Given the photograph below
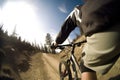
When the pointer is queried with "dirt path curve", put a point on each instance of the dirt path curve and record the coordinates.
(43, 67)
(51, 66)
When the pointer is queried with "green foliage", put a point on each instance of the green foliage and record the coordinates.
(15, 52)
(15, 42)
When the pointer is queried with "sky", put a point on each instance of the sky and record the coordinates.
(33, 19)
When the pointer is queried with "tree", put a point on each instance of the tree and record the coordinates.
(14, 32)
(48, 39)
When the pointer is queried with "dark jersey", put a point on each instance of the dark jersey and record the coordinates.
(94, 16)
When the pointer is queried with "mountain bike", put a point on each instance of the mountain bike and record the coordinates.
(68, 68)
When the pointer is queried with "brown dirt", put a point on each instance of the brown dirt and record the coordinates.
(51, 67)
(43, 67)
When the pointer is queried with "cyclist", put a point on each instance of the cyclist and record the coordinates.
(100, 24)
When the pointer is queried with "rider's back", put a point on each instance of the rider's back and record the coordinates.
(99, 15)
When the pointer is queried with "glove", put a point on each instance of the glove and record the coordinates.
(54, 45)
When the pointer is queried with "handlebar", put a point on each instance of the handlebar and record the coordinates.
(70, 45)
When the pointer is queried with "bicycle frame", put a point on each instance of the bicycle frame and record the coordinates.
(72, 59)
(74, 65)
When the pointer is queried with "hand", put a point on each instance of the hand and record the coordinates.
(54, 45)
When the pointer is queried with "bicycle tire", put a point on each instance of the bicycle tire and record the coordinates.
(66, 72)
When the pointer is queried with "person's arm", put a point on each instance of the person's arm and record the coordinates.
(70, 24)
(66, 29)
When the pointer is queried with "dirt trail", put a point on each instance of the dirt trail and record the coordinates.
(43, 67)
(51, 66)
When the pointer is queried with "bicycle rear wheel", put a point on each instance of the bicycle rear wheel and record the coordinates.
(64, 70)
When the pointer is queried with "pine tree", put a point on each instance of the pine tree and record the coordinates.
(48, 39)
